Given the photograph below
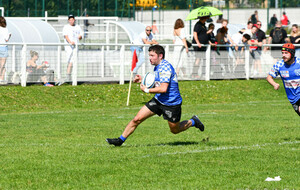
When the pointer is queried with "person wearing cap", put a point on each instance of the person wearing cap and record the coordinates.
(289, 70)
(200, 37)
(72, 34)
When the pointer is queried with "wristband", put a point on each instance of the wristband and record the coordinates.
(146, 90)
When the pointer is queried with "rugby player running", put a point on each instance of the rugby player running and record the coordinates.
(289, 70)
(167, 100)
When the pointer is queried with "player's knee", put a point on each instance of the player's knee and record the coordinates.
(174, 130)
(137, 120)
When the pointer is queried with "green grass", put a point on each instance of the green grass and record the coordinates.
(54, 138)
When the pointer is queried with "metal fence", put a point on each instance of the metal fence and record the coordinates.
(112, 63)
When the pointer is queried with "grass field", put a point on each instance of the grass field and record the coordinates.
(54, 138)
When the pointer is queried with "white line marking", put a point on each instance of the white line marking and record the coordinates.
(255, 146)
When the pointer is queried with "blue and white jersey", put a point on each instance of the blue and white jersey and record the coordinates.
(165, 73)
(290, 75)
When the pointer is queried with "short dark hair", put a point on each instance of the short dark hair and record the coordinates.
(210, 25)
(158, 50)
(247, 36)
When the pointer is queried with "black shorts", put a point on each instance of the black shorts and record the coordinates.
(296, 107)
(170, 113)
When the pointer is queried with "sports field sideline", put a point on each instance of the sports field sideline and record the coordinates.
(54, 138)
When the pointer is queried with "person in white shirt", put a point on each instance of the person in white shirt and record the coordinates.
(4, 37)
(180, 52)
(72, 34)
(144, 38)
(249, 28)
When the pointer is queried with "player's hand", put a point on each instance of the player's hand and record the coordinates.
(276, 86)
(137, 79)
(143, 87)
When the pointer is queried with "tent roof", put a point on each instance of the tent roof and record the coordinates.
(132, 28)
(31, 31)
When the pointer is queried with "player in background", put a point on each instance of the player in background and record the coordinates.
(289, 70)
(167, 100)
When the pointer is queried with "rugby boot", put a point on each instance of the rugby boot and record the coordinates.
(198, 123)
(115, 141)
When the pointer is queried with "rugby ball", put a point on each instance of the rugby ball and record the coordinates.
(149, 80)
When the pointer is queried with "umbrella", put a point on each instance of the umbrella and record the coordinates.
(202, 12)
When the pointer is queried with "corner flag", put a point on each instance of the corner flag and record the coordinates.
(134, 60)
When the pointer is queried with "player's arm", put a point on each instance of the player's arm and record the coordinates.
(68, 40)
(272, 82)
(160, 89)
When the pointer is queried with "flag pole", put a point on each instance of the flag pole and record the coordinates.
(129, 88)
(134, 61)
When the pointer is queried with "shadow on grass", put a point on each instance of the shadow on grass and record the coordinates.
(178, 143)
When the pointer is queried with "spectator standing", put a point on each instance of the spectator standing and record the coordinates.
(284, 20)
(220, 19)
(295, 38)
(144, 38)
(228, 40)
(254, 17)
(4, 37)
(261, 36)
(212, 42)
(199, 37)
(222, 51)
(180, 52)
(86, 26)
(273, 21)
(255, 50)
(277, 36)
(224, 25)
(72, 34)
(210, 33)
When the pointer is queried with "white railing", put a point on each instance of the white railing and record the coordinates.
(97, 62)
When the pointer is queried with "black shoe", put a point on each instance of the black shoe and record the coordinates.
(115, 141)
(198, 123)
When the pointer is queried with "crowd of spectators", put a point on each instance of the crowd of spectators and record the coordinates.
(253, 37)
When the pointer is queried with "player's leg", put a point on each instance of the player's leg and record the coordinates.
(2, 67)
(179, 126)
(173, 115)
(296, 107)
(184, 125)
(141, 116)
